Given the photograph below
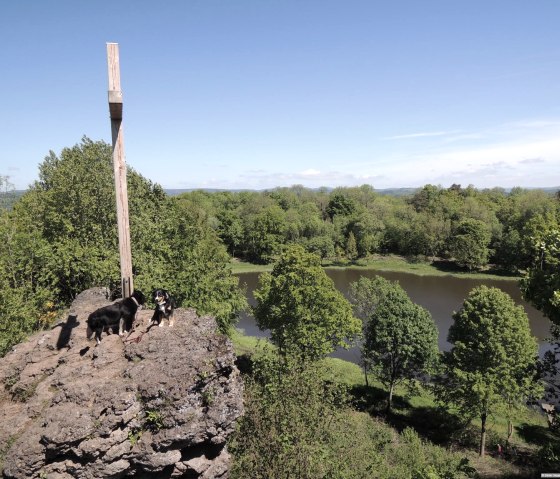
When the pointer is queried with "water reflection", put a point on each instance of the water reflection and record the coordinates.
(441, 295)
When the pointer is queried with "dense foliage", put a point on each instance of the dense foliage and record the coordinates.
(298, 425)
(60, 238)
(491, 365)
(474, 228)
(400, 337)
(541, 285)
(306, 315)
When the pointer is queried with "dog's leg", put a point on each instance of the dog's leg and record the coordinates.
(171, 319)
(122, 332)
(98, 336)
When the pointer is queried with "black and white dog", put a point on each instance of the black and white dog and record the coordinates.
(165, 306)
(121, 313)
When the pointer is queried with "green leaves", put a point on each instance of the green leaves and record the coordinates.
(61, 238)
(400, 337)
(492, 362)
(469, 244)
(300, 305)
(541, 285)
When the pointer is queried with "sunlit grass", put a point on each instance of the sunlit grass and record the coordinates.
(238, 266)
(392, 263)
(406, 405)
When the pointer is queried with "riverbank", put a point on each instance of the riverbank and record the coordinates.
(389, 263)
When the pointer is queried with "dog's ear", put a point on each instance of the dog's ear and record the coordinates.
(166, 294)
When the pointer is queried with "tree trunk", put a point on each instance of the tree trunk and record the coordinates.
(390, 400)
(510, 433)
(483, 434)
(365, 374)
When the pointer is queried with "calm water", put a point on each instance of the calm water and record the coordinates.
(441, 295)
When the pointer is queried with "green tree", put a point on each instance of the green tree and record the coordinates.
(264, 233)
(469, 244)
(400, 337)
(369, 231)
(298, 425)
(299, 304)
(340, 205)
(230, 230)
(321, 245)
(201, 275)
(351, 248)
(290, 416)
(61, 238)
(541, 285)
(491, 365)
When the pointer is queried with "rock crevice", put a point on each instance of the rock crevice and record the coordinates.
(160, 404)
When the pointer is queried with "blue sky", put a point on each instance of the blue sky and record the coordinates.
(265, 93)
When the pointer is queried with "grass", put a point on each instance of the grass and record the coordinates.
(238, 266)
(392, 263)
(420, 411)
(245, 344)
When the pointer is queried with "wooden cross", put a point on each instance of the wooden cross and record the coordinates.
(119, 166)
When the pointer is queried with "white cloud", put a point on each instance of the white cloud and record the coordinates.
(311, 178)
(530, 161)
(310, 172)
(420, 135)
(504, 164)
(514, 154)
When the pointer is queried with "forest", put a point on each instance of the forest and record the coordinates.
(59, 238)
(475, 229)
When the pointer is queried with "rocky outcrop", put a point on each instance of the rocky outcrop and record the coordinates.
(160, 404)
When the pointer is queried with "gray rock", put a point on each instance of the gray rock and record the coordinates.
(160, 403)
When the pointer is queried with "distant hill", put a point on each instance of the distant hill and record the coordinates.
(382, 191)
(176, 191)
(7, 199)
(386, 191)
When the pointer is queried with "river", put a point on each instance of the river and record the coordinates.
(440, 295)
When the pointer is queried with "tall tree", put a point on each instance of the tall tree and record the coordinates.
(400, 337)
(492, 362)
(340, 205)
(61, 238)
(469, 244)
(541, 287)
(351, 247)
(307, 316)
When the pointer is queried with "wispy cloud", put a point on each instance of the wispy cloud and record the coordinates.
(309, 177)
(515, 163)
(531, 161)
(465, 137)
(538, 123)
(523, 153)
(423, 134)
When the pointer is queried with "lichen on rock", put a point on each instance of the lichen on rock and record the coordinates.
(160, 404)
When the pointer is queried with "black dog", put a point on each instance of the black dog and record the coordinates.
(122, 313)
(165, 306)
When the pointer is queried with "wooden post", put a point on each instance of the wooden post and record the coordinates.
(119, 166)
